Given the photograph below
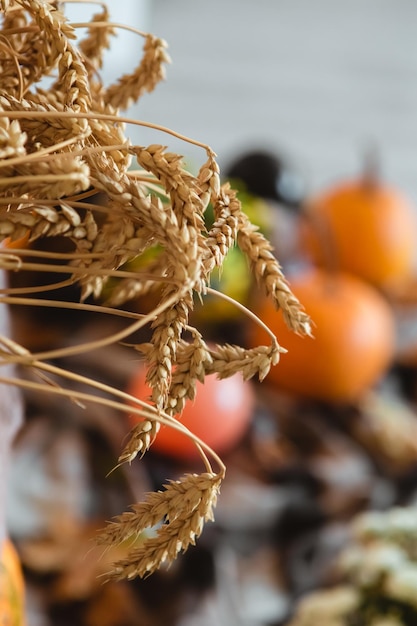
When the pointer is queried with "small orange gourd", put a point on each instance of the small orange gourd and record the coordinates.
(368, 227)
(353, 343)
(11, 587)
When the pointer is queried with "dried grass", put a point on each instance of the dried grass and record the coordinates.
(60, 147)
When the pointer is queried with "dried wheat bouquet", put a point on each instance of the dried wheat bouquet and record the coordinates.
(63, 146)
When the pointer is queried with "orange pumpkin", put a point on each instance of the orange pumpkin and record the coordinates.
(219, 415)
(11, 587)
(22, 242)
(353, 344)
(367, 227)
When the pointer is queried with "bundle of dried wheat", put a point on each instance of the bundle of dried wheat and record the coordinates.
(59, 149)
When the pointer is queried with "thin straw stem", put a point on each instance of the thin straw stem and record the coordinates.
(110, 339)
(107, 118)
(81, 396)
(247, 312)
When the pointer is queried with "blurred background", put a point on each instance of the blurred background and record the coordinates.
(317, 84)
(314, 81)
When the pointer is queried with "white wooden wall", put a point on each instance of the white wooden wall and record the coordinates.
(313, 79)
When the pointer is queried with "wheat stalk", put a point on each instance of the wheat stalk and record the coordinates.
(65, 172)
(181, 510)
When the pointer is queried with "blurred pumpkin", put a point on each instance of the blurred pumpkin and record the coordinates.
(219, 415)
(353, 343)
(367, 226)
(21, 242)
(11, 587)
